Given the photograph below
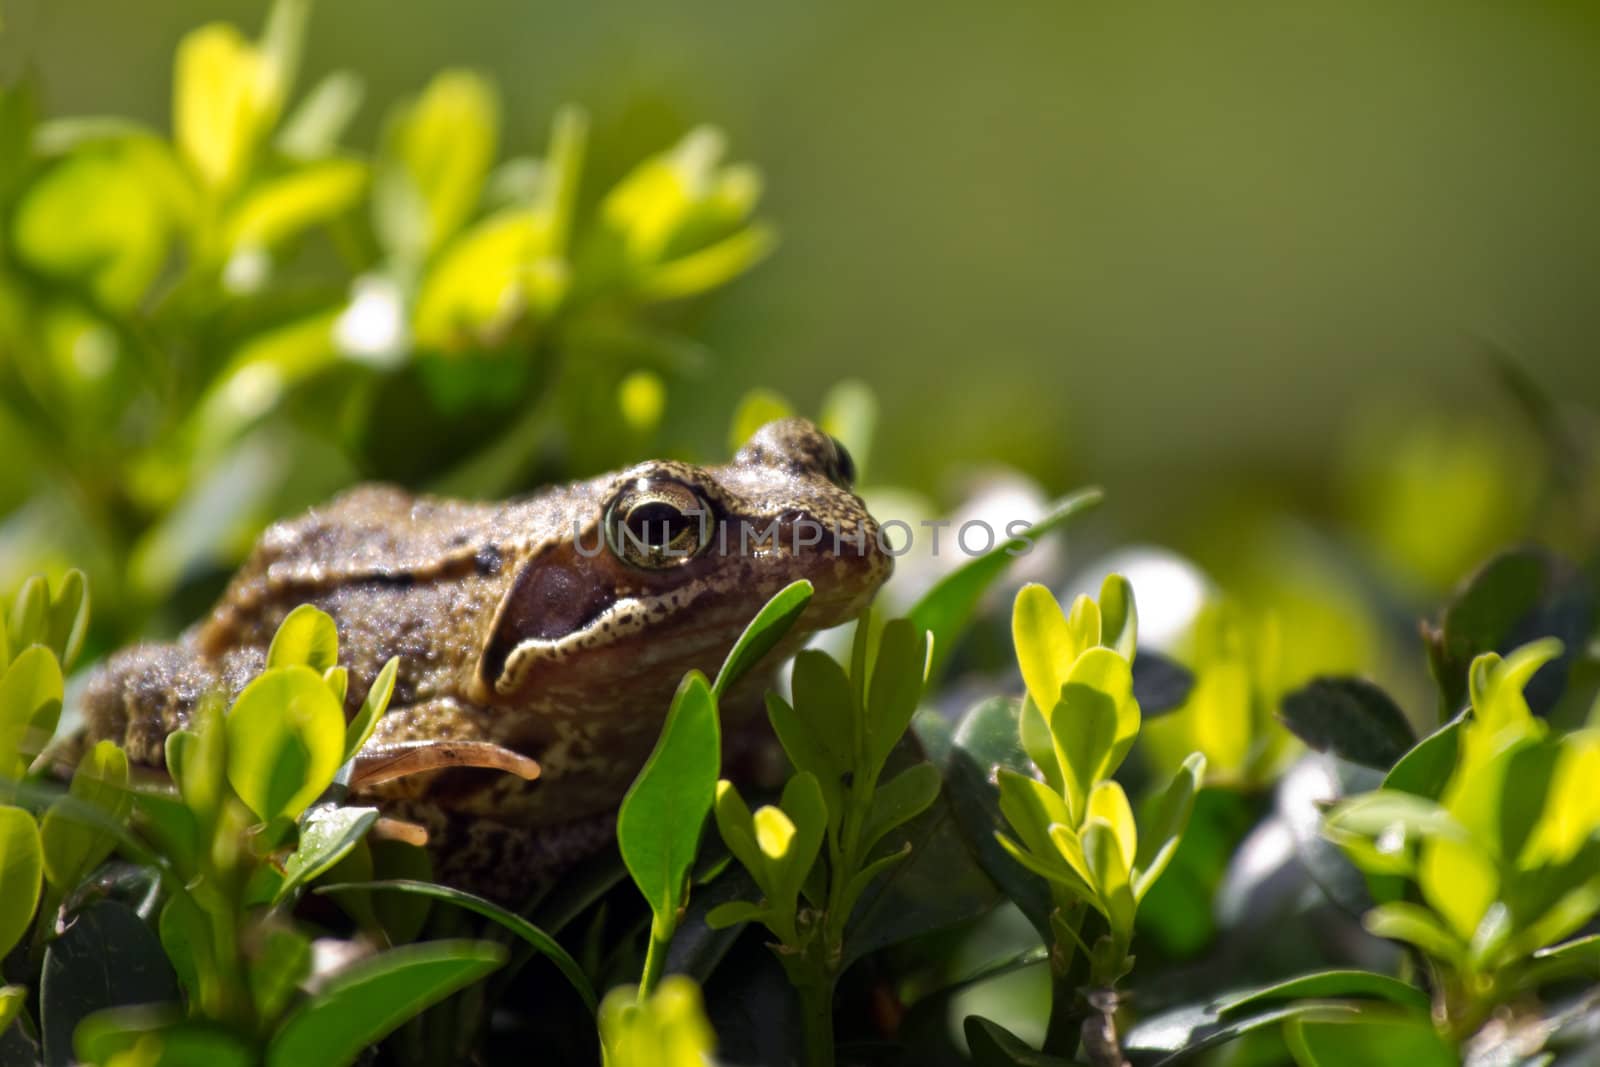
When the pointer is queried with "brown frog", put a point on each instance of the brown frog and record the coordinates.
(556, 626)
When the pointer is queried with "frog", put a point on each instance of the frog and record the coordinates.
(555, 627)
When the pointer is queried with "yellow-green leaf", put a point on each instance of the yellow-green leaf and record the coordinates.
(306, 637)
(21, 871)
(1045, 644)
(74, 845)
(1458, 881)
(285, 741)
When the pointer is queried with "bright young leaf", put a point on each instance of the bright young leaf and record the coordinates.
(307, 637)
(285, 737)
(372, 709)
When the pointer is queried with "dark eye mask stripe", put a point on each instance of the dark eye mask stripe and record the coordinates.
(547, 601)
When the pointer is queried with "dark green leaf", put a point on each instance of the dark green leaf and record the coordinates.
(1324, 985)
(945, 610)
(362, 1004)
(937, 886)
(106, 958)
(896, 687)
(899, 800)
(1160, 683)
(987, 739)
(535, 937)
(1351, 718)
(1516, 597)
(775, 619)
(658, 826)
(992, 1045)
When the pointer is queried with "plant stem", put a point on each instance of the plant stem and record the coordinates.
(662, 928)
(816, 1009)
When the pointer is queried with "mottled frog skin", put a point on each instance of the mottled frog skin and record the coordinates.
(557, 626)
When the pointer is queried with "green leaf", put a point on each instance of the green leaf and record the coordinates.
(898, 801)
(775, 619)
(825, 700)
(307, 637)
(809, 750)
(1373, 1035)
(1108, 870)
(72, 846)
(1412, 923)
(21, 873)
(1351, 718)
(365, 1002)
(658, 826)
(30, 706)
(285, 741)
(1183, 1033)
(327, 834)
(372, 708)
(281, 964)
(756, 408)
(1425, 770)
(1371, 814)
(896, 688)
(129, 1035)
(1119, 617)
(435, 156)
(1168, 817)
(1326, 985)
(946, 609)
(536, 938)
(29, 610)
(790, 854)
(186, 937)
(734, 912)
(1092, 722)
(68, 618)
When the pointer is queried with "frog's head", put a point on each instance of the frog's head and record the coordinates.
(668, 562)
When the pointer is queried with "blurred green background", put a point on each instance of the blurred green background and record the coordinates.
(1249, 266)
(1155, 244)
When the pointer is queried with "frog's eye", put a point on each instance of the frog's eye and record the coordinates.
(657, 523)
(844, 465)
